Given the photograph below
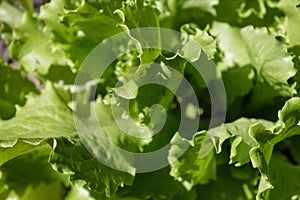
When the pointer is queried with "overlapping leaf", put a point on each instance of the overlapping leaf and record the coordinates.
(258, 49)
(190, 168)
(258, 72)
(255, 139)
(13, 90)
(43, 116)
(71, 158)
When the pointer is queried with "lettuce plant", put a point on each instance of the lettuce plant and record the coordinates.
(60, 122)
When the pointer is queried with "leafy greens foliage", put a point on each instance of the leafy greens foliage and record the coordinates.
(255, 45)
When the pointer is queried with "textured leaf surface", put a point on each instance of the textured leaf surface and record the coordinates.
(71, 158)
(190, 168)
(13, 90)
(43, 116)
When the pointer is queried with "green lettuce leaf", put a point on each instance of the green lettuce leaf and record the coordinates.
(29, 176)
(267, 56)
(46, 110)
(191, 52)
(6, 11)
(227, 187)
(242, 80)
(253, 139)
(158, 184)
(13, 90)
(240, 138)
(231, 43)
(189, 168)
(247, 8)
(207, 6)
(12, 149)
(33, 47)
(292, 15)
(72, 158)
(285, 179)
